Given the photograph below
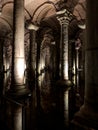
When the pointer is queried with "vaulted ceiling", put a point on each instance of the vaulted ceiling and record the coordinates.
(36, 10)
(39, 12)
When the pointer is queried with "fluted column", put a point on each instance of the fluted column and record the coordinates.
(88, 114)
(18, 62)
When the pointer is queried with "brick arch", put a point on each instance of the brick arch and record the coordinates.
(40, 9)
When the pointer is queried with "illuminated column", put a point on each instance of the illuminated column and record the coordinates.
(78, 69)
(18, 62)
(17, 117)
(64, 84)
(64, 18)
(88, 114)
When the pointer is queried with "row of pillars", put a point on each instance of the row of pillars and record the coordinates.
(88, 114)
(87, 117)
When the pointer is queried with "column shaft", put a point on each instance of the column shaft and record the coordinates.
(1, 67)
(91, 56)
(18, 62)
(64, 51)
(88, 114)
(17, 121)
(18, 58)
(64, 84)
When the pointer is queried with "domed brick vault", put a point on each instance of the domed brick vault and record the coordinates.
(42, 16)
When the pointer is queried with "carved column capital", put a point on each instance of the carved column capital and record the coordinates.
(64, 16)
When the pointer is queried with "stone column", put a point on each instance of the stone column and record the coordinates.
(88, 114)
(32, 56)
(31, 73)
(64, 84)
(1, 67)
(64, 18)
(18, 62)
(17, 121)
(32, 67)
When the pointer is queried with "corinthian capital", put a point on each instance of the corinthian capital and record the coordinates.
(64, 16)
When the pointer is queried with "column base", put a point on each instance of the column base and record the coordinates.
(64, 84)
(86, 118)
(23, 92)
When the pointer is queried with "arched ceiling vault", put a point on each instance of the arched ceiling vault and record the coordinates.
(37, 10)
(42, 13)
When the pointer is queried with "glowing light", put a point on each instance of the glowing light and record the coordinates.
(41, 67)
(66, 101)
(20, 68)
(66, 107)
(31, 26)
(74, 72)
(66, 70)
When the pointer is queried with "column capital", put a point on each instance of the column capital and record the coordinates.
(64, 16)
(31, 26)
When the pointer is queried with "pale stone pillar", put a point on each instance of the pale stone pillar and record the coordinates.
(17, 121)
(18, 62)
(88, 114)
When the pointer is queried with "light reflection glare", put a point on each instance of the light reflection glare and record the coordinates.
(20, 67)
(66, 70)
(41, 67)
(66, 107)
